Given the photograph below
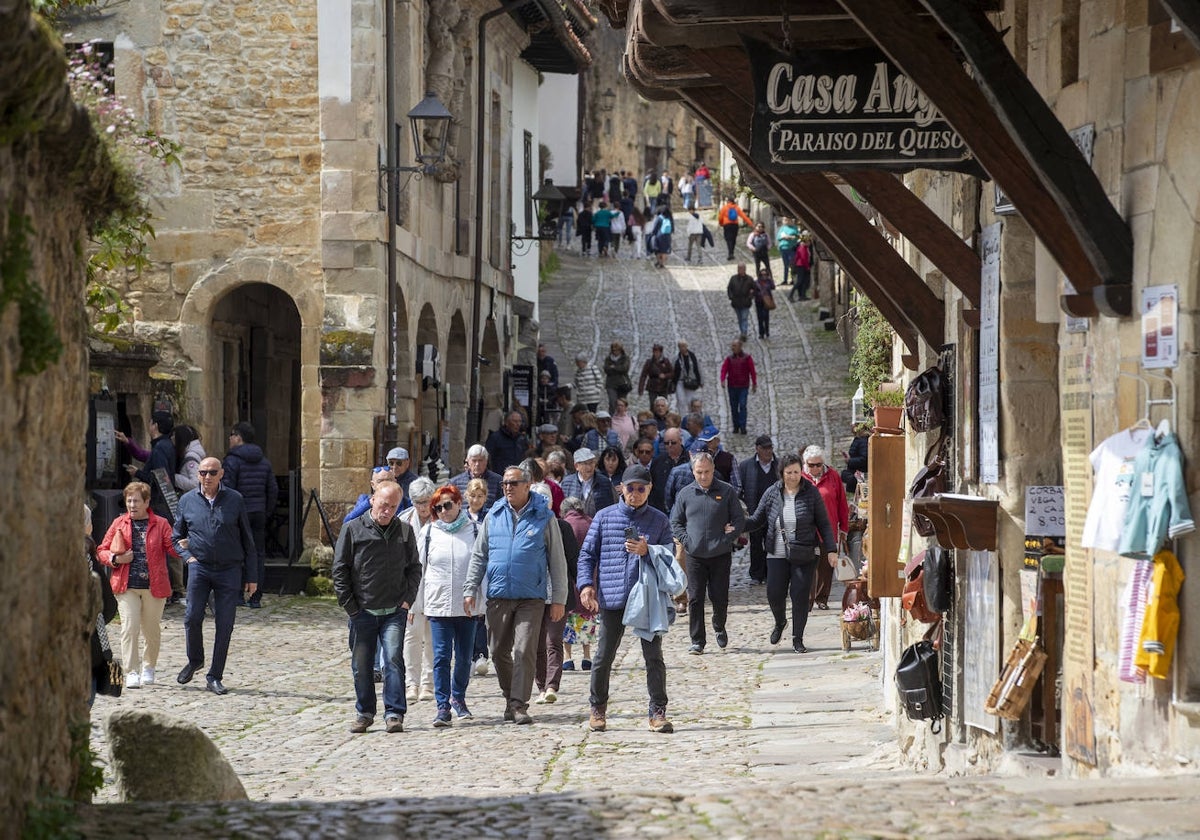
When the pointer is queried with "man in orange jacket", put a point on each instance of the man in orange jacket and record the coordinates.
(728, 216)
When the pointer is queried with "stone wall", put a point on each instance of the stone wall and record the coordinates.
(53, 172)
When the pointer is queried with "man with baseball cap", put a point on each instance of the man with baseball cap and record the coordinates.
(610, 563)
(591, 487)
(401, 467)
(757, 473)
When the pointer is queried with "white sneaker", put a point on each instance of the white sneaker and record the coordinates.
(133, 681)
(147, 675)
(549, 696)
(426, 694)
(541, 699)
(411, 695)
(481, 668)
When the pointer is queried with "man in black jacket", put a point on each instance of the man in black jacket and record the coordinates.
(671, 456)
(248, 471)
(706, 519)
(376, 572)
(757, 473)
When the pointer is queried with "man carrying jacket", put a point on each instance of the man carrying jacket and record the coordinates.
(608, 567)
(248, 471)
(520, 548)
(376, 572)
(706, 520)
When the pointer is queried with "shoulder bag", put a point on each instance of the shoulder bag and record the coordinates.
(928, 482)
(919, 681)
(798, 553)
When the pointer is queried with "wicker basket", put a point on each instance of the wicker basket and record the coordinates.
(861, 629)
(1011, 692)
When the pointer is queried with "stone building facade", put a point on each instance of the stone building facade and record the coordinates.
(1088, 109)
(296, 282)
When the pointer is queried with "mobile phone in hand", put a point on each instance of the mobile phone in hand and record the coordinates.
(631, 534)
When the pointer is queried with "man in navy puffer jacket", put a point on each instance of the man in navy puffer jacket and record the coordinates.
(608, 567)
(248, 471)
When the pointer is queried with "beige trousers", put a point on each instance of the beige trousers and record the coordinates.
(141, 615)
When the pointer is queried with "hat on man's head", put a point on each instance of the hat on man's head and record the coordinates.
(547, 429)
(583, 454)
(603, 415)
(163, 420)
(708, 434)
(578, 407)
(397, 454)
(637, 474)
(545, 374)
(764, 440)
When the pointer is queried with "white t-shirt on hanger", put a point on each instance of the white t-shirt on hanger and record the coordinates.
(1112, 463)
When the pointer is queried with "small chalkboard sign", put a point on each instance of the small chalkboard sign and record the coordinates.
(168, 490)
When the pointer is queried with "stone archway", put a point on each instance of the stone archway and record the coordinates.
(427, 414)
(457, 375)
(491, 380)
(205, 351)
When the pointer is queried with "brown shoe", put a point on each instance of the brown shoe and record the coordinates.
(598, 721)
(361, 724)
(658, 720)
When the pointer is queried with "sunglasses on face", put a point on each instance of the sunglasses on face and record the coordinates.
(511, 483)
(637, 488)
(444, 506)
(207, 472)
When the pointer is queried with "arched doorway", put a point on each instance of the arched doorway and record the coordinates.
(427, 414)
(491, 380)
(457, 374)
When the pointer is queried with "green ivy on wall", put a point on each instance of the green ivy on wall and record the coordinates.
(39, 341)
(871, 361)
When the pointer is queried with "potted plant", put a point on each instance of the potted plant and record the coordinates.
(888, 407)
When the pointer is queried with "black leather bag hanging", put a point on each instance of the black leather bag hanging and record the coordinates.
(925, 401)
(929, 481)
(919, 681)
(939, 578)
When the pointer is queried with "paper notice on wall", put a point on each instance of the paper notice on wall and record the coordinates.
(1160, 331)
(989, 356)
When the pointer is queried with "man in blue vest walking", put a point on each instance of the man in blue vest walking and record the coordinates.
(520, 548)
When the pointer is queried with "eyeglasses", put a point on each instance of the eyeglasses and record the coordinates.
(673, 442)
(815, 466)
(636, 488)
(207, 472)
(511, 483)
(444, 506)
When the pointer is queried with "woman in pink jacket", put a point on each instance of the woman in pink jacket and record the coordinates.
(136, 546)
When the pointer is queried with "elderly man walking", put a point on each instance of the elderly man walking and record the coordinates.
(757, 473)
(376, 572)
(589, 382)
(477, 467)
(619, 540)
(212, 534)
(706, 520)
(520, 548)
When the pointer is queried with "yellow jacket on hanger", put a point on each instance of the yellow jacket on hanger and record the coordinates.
(1160, 627)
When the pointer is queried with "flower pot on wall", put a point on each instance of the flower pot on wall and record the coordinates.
(889, 417)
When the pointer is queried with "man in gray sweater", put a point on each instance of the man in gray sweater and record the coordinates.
(706, 519)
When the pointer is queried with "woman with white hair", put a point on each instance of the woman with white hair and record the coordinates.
(833, 494)
(418, 641)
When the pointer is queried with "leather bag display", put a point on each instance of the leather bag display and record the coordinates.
(919, 682)
(939, 579)
(925, 401)
(928, 482)
(913, 597)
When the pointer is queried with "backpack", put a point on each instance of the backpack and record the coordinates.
(665, 226)
(920, 683)
(925, 401)
(732, 214)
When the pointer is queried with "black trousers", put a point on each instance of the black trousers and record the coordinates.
(758, 556)
(784, 579)
(731, 235)
(707, 575)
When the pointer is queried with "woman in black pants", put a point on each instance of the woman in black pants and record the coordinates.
(796, 522)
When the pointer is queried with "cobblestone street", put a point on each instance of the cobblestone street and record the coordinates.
(768, 743)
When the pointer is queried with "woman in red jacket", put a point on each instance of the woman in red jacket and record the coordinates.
(136, 546)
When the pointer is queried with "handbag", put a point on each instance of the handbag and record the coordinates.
(919, 682)
(116, 679)
(768, 300)
(938, 573)
(913, 596)
(925, 401)
(798, 553)
(846, 570)
(928, 482)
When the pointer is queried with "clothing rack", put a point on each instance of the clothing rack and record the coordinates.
(1145, 377)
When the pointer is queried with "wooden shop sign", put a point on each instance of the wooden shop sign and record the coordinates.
(825, 110)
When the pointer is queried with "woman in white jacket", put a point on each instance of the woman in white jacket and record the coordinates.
(445, 548)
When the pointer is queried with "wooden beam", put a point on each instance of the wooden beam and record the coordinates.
(1187, 15)
(922, 227)
(1065, 173)
(914, 47)
(903, 298)
(801, 12)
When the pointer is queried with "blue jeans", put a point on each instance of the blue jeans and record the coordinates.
(787, 257)
(451, 636)
(225, 585)
(743, 316)
(566, 231)
(367, 633)
(737, 406)
(611, 629)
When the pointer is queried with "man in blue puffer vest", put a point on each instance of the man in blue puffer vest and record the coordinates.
(608, 566)
(520, 548)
